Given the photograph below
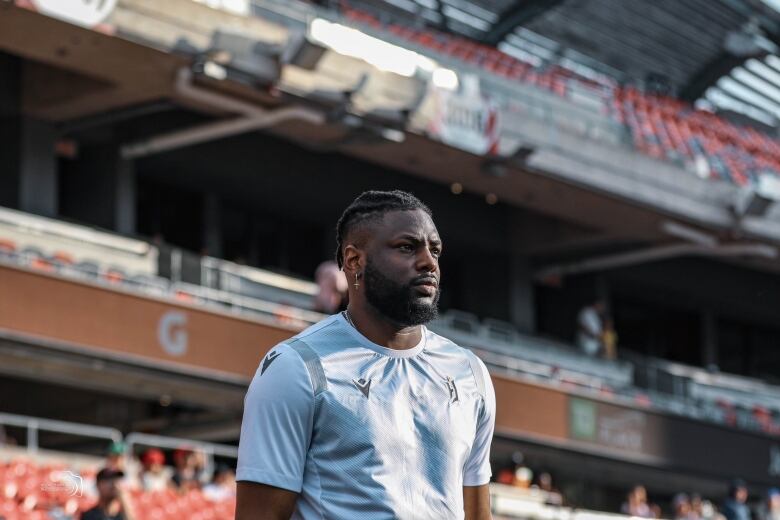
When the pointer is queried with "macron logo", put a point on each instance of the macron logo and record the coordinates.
(268, 360)
(362, 385)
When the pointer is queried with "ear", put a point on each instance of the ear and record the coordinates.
(353, 259)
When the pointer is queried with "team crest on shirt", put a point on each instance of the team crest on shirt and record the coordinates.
(268, 360)
(452, 389)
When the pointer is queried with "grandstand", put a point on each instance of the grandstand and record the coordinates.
(173, 172)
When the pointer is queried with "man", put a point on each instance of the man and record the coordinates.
(590, 328)
(115, 456)
(154, 476)
(770, 508)
(332, 288)
(735, 507)
(110, 505)
(681, 505)
(368, 414)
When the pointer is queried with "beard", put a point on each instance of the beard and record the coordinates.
(398, 302)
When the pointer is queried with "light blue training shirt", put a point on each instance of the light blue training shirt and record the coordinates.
(362, 431)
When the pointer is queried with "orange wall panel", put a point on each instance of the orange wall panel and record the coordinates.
(523, 408)
(119, 322)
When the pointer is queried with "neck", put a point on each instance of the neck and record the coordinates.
(378, 329)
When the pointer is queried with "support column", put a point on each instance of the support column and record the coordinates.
(126, 197)
(521, 294)
(28, 164)
(212, 225)
(709, 338)
(10, 129)
(524, 232)
(38, 181)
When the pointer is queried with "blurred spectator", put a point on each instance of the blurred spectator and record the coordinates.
(735, 507)
(154, 475)
(223, 487)
(6, 440)
(636, 504)
(609, 340)
(590, 328)
(681, 505)
(523, 475)
(110, 505)
(188, 472)
(506, 476)
(770, 508)
(115, 456)
(544, 483)
(332, 284)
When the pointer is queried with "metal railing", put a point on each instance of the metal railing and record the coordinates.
(35, 424)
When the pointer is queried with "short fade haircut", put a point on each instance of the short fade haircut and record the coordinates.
(372, 205)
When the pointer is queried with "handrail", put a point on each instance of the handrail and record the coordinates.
(35, 424)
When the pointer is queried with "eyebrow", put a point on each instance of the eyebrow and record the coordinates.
(415, 238)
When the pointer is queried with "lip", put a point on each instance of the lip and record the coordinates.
(428, 289)
(432, 282)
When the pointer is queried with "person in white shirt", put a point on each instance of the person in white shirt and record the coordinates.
(590, 324)
(368, 414)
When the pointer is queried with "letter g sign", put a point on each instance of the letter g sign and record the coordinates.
(172, 334)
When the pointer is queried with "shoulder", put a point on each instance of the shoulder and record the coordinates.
(285, 357)
(440, 346)
(326, 336)
(437, 344)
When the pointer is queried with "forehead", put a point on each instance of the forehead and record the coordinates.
(408, 222)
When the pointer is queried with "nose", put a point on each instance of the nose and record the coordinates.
(426, 262)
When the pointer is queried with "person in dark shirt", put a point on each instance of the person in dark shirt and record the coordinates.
(109, 506)
(735, 506)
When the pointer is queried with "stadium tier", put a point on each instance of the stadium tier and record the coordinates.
(730, 400)
(661, 127)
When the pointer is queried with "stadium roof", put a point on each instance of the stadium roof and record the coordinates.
(686, 46)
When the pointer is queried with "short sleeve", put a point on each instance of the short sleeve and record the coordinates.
(476, 471)
(277, 423)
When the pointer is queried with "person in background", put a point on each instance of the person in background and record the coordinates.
(523, 475)
(115, 456)
(223, 487)
(111, 504)
(735, 507)
(636, 504)
(770, 508)
(544, 483)
(590, 328)
(188, 470)
(332, 284)
(681, 505)
(697, 507)
(609, 339)
(154, 475)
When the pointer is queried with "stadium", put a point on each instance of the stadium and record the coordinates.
(604, 174)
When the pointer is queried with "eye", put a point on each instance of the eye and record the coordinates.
(407, 248)
(435, 251)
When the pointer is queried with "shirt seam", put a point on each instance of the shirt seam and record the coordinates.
(276, 478)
